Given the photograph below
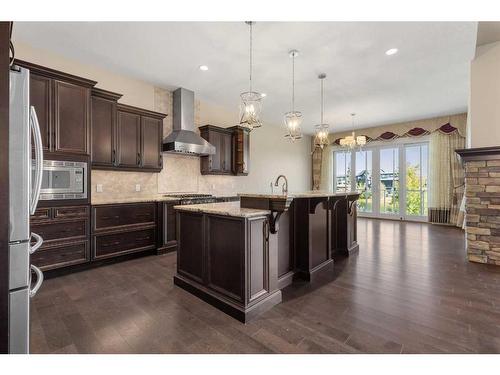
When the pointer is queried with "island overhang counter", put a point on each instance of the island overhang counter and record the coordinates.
(238, 256)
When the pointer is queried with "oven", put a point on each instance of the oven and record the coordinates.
(63, 180)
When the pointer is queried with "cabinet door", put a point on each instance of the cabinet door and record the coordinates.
(129, 131)
(226, 152)
(103, 131)
(151, 132)
(246, 152)
(71, 118)
(215, 161)
(40, 98)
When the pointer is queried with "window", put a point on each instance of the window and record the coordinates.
(342, 171)
(364, 180)
(389, 180)
(392, 179)
(416, 179)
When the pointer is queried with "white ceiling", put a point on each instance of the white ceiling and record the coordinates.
(428, 77)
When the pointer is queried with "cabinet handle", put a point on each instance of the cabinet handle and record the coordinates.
(138, 158)
(110, 244)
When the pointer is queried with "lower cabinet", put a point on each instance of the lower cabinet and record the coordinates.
(110, 245)
(230, 262)
(65, 232)
(120, 229)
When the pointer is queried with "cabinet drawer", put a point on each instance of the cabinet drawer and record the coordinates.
(109, 245)
(52, 231)
(70, 212)
(41, 214)
(61, 255)
(107, 217)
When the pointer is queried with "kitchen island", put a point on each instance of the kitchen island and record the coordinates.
(238, 256)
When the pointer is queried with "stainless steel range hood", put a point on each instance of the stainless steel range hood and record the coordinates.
(184, 139)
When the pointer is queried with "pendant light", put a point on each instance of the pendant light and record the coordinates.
(293, 119)
(351, 141)
(322, 129)
(250, 101)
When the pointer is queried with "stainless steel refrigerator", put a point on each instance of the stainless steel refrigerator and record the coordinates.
(23, 199)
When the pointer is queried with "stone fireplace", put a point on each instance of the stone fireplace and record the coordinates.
(482, 208)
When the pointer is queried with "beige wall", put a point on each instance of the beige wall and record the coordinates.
(270, 153)
(484, 110)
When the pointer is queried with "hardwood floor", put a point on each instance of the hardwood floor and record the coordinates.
(409, 290)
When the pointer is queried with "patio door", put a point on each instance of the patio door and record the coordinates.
(392, 179)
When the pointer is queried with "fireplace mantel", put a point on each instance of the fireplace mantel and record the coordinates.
(479, 153)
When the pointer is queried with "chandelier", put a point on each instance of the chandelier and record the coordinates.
(352, 141)
(250, 101)
(322, 129)
(293, 119)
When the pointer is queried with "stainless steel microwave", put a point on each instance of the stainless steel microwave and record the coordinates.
(63, 180)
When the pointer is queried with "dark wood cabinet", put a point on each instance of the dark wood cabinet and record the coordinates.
(71, 118)
(62, 104)
(138, 139)
(230, 262)
(151, 138)
(167, 223)
(41, 99)
(240, 150)
(129, 139)
(221, 139)
(65, 231)
(120, 229)
(103, 130)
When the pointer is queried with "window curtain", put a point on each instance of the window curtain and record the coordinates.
(326, 183)
(317, 155)
(446, 178)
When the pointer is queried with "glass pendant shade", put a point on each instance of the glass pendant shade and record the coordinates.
(322, 130)
(293, 119)
(250, 101)
(321, 136)
(293, 122)
(250, 109)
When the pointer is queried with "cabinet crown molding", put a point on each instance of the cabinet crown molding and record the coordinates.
(55, 74)
(105, 94)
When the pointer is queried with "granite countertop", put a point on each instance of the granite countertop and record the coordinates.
(138, 199)
(226, 209)
(304, 194)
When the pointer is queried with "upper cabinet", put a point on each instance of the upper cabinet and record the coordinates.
(71, 118)
(151, 140)
(103, 130)
(241, 150)
(62, 104)
(124, 137)
(232, 150)
(221, 139)
(139, 138)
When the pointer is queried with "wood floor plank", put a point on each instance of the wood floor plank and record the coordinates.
(408, 290)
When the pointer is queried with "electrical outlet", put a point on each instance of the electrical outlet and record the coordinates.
(98, 188)
(137, 187)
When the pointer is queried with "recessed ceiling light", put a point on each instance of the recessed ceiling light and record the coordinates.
(204, 68)
(391, 51)
(263, 94)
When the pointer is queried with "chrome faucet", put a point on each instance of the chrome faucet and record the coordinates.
(284, 187)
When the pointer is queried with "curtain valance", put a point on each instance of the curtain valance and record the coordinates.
(445, 125)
